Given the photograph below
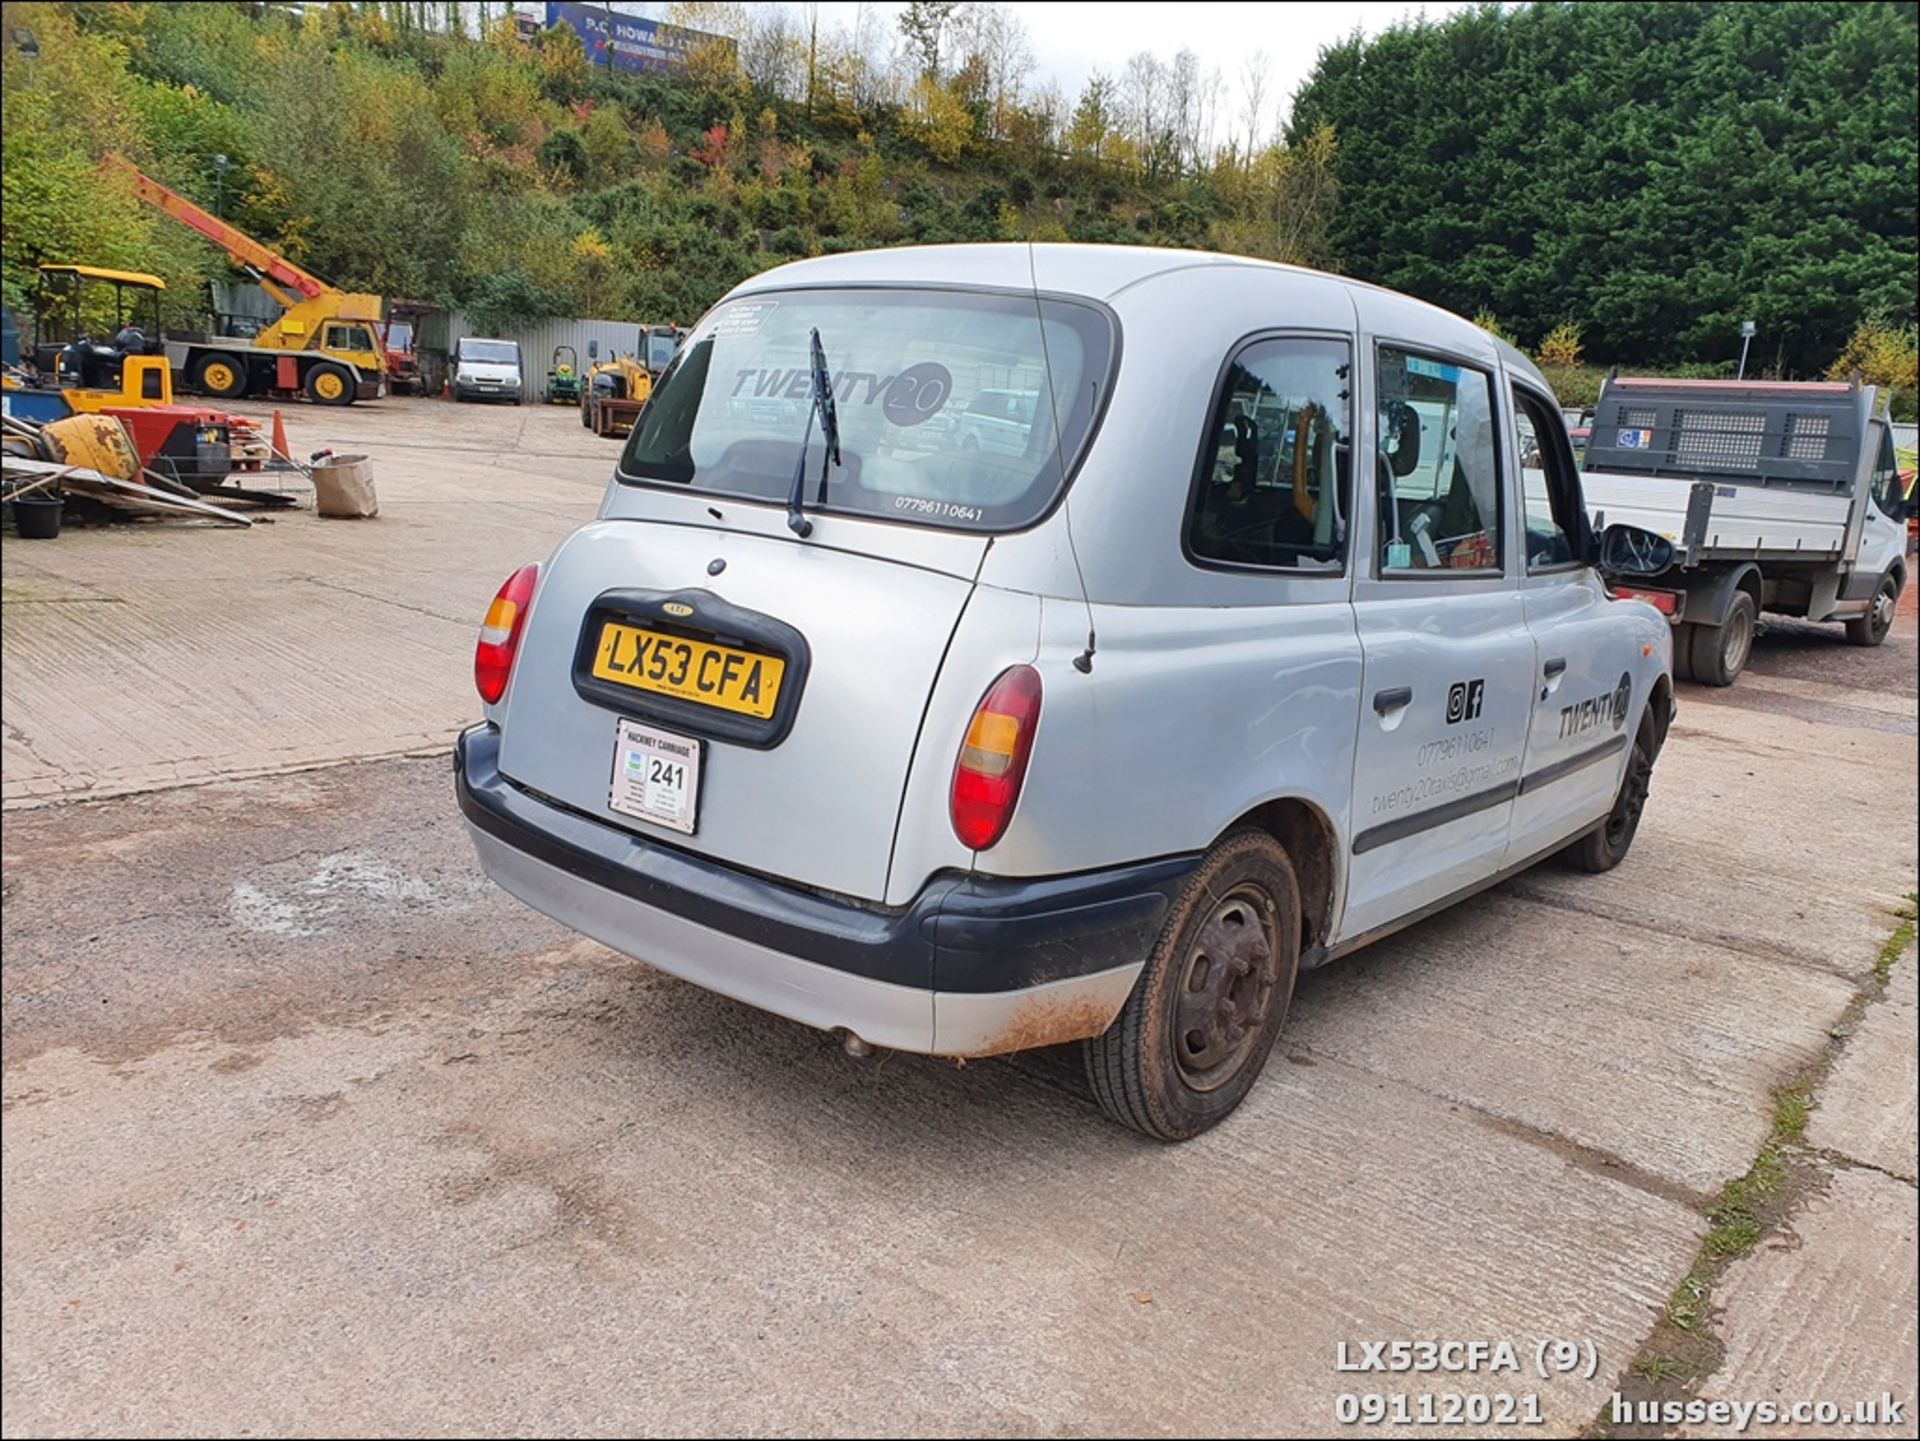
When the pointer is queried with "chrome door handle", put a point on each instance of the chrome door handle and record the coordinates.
(1392, 700)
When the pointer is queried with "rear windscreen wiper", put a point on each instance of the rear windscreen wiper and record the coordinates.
(821, 404)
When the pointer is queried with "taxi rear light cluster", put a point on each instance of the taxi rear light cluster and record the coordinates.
(500, 633)
(993, 758)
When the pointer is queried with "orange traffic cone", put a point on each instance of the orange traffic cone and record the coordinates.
(280, 437)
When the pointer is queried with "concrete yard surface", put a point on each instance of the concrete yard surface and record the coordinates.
(164, 652)
(1828, 1312)
(309, 1129)
(1867, 1110)
(1829, 1309)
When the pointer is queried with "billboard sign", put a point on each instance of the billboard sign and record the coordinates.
(626, 42)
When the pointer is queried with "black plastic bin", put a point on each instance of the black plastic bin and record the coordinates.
(37, 517)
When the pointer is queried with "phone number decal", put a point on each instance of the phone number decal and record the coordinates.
(944, 508)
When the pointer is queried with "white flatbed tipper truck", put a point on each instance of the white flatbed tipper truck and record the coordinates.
(1778, 496)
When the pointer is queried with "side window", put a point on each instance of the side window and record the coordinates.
(348, 337)
(1886, 478)
(1275, 488)
(1548, 482)
(1437, 467)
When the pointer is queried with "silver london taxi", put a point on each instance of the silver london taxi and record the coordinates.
(1249, 641)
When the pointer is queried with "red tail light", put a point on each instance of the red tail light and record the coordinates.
(993, 758)
(1665, 601)
(500, 633)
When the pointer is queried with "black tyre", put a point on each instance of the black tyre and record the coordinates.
(1604, 847)
(1683, 651)
(220, 374)
(330, 384)
(1197, 1030)
(1718, 653)
(1872, 628)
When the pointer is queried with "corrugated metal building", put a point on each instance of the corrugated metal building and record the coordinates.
(537, 338)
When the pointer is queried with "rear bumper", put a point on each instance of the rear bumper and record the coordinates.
(973, 966)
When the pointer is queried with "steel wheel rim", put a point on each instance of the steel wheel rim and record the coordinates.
(1625, 819)
(1739, 642)
(219, 377)
(327, 385)
(1883, 604)
(1226, 990)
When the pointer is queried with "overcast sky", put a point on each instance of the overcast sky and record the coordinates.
(1072, 40)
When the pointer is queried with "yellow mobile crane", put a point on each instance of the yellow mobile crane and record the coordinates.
(324, 346)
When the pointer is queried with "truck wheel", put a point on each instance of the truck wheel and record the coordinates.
(330, 384)
(1605, 846)
(1683, 651)
(221, 375)
(1872, 628)
(1195, 1033)
(1719, 652)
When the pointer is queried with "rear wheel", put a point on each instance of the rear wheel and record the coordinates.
(221, 375)
(1872, 628)
(1196, 1032)
(1606, 846)
(1719, 652)
(330, 384)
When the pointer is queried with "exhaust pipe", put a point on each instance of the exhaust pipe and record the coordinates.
(860, 1050)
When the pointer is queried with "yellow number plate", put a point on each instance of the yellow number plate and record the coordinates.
(689, 670)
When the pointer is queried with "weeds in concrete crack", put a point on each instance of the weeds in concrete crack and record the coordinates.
(1898, 942)
(1661, 1368)
(1683, 1348)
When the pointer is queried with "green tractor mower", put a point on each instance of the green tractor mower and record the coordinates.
(563, 376)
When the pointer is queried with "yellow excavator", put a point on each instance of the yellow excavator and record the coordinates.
(95, 378)
(617, 388)
(325, 345)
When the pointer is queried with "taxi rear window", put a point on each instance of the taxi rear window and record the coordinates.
(958, 409)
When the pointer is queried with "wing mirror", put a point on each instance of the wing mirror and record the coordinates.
(1629, 550)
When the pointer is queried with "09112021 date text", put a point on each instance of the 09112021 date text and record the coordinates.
(1437, 1408)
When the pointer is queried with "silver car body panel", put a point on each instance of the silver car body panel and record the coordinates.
(1211, 691)
(818, 808)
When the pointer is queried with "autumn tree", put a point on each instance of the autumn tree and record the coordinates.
(1253, 103)
(1094, 115)
(941, 121)
(923, 24)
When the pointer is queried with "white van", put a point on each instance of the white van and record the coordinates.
(488, 370)
(1242, 647)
